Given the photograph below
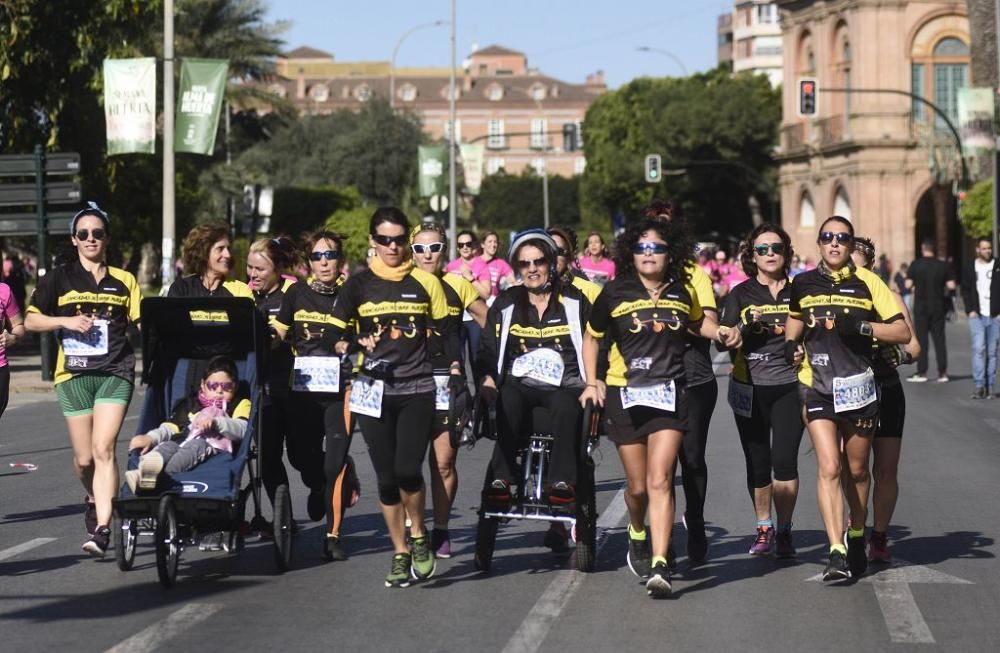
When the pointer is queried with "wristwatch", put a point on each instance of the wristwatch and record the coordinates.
(866, 329)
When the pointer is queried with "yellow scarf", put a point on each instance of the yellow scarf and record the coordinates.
(383, 271)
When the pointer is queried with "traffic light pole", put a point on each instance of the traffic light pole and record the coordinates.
(45, 339)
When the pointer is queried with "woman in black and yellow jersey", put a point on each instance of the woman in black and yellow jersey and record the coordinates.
(836, 310)
(648, 310)
(430, 242)
(395, 306)
(763, 388)
(316, 403)
(90, 304)
(888, 439)
(208, 262)
(270, 264)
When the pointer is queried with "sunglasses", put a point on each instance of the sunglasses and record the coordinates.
(527, 265)
(841, 237)
(562, 252)
(649, 248)
(85, 234)
(385, 241)
(328, 254)
(463, 244)
(226, 386)
(778, 249)
(432, 248)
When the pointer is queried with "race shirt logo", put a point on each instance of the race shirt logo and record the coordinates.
(820, 360)
(641, 363)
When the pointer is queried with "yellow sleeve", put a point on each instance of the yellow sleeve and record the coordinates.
(238, 289)
(589, 289)
(438, 304)
(702, 286)
(242, 410)
(134, 293)
(697, 310)
(467, 294)
(883, 302)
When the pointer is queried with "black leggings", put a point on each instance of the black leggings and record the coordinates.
(694, 470)
(319, 417)
(517, 401)
(4, 387)
(771, 437)
(397, 443)
(932, 324)
(272, 448)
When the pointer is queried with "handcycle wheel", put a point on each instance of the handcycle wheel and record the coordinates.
(486, 539)
(168, 551)
(126, 534)
(586, 521)
(282, 528)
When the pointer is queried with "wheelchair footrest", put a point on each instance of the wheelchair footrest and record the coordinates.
(532, 516)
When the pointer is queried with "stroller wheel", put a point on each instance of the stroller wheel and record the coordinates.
(283, 528)
(126, 534)
(486, 539)
(168, 548)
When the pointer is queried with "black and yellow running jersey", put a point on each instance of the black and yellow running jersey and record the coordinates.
(192, 286)
(459, 294)
(403, 313)
(280, 360)
(70, 290)
(308, 315)
(648, 338)
(761, 358)
(698, 355)
(589, 289)
(818, 299)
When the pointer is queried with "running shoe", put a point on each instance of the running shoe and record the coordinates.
(423, 562)
(497, 496)
(697, 542)
(836, 568)
(783, 547)
(316, 505)
(857, 557)
(943, 378)
(441, 543)
(561, 494)
(97, 545)
(763, 544)
(557, 538)
(980, 393)
(132, 480)
(90, 515)
(211, 541)
(638, 556)
(917, 378)
(878, 548)
(333, 549)
(399, 572)
(658, 585)
(150, 467)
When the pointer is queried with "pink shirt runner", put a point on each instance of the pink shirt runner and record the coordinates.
(497, 269)
(8, 309)
(601, 272)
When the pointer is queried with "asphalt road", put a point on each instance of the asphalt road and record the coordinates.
(942, 593)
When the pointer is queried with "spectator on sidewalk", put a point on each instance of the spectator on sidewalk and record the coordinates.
(899, 285)
(982, 303)
(930, 279)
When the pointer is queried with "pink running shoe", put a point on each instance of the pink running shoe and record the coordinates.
(878, 548)
(764, 543)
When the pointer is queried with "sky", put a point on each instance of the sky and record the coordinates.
(566, 39)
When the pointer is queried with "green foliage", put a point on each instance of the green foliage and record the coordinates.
(300, 210)
(976, 213)
(514, 202)
(713, 116)
(352, 224)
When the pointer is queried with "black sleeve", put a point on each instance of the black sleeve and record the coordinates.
(486, 357)
(178, 288)
(451, 343)
(970, 297)
(43, 297)
(344, 310)
(600, 314)
(730, 314)
(286, 314)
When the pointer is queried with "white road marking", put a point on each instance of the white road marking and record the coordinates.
(27, 546)
(535, 627)
(176, 623)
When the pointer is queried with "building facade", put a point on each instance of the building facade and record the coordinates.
(724, 46)
(520, 115)
(757, 41)
(882, 159)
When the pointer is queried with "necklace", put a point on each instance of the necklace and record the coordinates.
(655, 291)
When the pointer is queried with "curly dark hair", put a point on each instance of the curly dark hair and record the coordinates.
(746, 248)
(568, 234)
(660, 208)
(198, 243)
(865, 247)
(679, 254)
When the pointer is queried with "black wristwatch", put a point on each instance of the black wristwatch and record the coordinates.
(866, 329)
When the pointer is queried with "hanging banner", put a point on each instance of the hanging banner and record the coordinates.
(975, 119)
(199, 102)
(130, 105)
(433, 163)
(472, 166)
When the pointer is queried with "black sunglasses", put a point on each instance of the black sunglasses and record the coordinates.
(649, 248)
(328, 254)
(842, 237)
(385, 241)
(462, 244)
(777, 248)
(85, 234)
(433, 248)
(562, 252)
(538, 262)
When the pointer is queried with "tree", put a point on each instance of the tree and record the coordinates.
(982, 33)
(514, 202)
(976, 212)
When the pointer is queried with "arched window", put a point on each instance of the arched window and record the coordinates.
(807, 212)
(938, 77)
(320, 92)
(842, 205)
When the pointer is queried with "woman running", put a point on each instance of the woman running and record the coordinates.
(501, 275)
(430, 242)
(90, 304)
(892, 413)
(11, 330)
(763, 388)
(208, 261)
(594, 260)
(648, 310)
(394, 306)
(835, 310)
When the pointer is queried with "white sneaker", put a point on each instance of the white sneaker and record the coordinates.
(917, 378)
(943, 378)
(132, 479)
(150, 467)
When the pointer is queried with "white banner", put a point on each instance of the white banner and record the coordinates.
(130, 105)
(472, 166)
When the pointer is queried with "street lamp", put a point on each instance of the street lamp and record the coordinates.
(395, 51)
(665, 53)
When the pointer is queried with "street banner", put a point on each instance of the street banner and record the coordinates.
(472, 166)
(199, 102)
(130, 105)
(433, 162)
(975, 119)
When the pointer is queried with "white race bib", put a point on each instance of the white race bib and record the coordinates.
(442, 396)
(316, 374)
(366, 397)
(544, 365)
(854, 392)
(741, 398)
(662, 396)
(92, 343)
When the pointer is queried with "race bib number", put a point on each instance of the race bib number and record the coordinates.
(442, 396)
(662, 396)
(854, 392)
(543, 365)
(316, 374)
(92, 343)
(366, 397)
(741, 398)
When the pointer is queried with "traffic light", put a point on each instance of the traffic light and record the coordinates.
(569, 137)
(808, 97)
(653, 168)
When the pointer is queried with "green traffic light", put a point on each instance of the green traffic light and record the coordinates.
(654, 173)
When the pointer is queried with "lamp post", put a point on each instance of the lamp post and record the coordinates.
(395, 51)
(169, 227)
(665, 53)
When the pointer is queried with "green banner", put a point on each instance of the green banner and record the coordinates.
(199, 102)
(433, 162)
(130, 105)
(472, 166)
